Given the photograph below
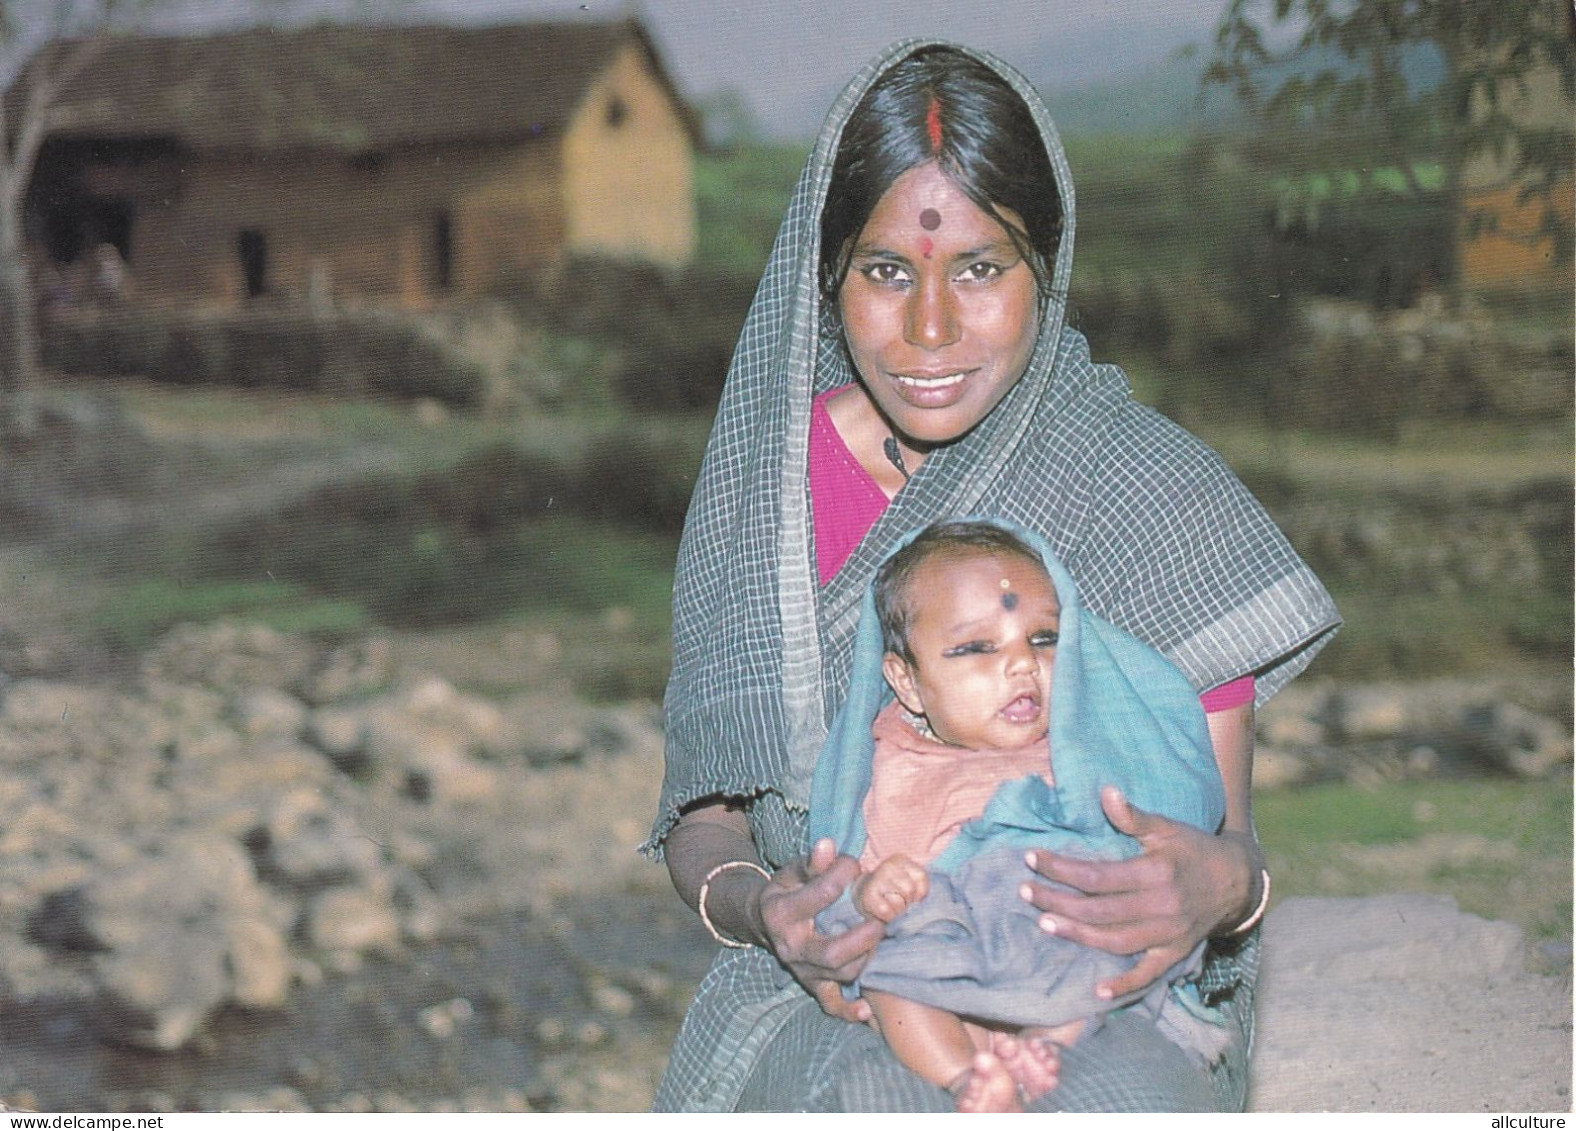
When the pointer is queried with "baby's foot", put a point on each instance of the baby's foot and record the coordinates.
(986, 1086)
(1033, 1060)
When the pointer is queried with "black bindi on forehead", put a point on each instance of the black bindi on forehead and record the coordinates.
(930, 219)
(1009, 601)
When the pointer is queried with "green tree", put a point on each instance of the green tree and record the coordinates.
(1347, 68)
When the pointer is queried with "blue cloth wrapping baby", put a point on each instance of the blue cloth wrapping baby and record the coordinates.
(1121, 714)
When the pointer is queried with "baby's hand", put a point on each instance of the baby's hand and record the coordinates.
(896, 884)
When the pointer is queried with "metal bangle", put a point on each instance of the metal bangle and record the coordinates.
(1258, 912)
(705, 890)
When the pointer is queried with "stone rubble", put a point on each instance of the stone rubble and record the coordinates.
(200, 840)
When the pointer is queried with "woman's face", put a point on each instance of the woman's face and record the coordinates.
(939, 309)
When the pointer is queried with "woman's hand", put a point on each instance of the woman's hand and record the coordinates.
(1183, 887)
(821, 963)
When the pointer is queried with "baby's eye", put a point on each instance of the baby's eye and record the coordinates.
(1046, 639)
(972, 648)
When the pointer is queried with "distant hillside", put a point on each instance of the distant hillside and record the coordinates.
(1171, 97)
(1166, 99)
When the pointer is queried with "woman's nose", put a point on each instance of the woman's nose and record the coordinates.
(932, 317)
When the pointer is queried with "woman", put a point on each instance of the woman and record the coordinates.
(906, 359)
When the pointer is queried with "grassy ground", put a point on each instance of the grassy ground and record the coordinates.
(1502, 849)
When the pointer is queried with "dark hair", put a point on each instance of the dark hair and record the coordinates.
(944, 106)
(953, 538)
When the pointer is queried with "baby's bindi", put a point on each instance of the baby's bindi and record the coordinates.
(1009, 599)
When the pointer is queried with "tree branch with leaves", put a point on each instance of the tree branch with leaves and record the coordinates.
(1349, 67)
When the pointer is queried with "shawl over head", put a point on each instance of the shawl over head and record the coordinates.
(1163, 539)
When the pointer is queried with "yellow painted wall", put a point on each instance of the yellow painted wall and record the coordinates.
(629, 184)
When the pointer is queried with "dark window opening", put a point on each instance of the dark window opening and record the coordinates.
(253, 248)
(75, 227)
(443, 251)
(616, 112)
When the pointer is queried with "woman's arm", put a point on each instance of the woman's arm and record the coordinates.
(1183, 887)
(777, 914)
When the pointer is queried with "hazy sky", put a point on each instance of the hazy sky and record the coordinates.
(789, 57)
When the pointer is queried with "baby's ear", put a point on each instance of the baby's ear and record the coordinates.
(900, 678)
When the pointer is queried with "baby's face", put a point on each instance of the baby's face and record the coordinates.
(983, 635)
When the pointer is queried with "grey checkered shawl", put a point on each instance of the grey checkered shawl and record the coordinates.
(1162, 538)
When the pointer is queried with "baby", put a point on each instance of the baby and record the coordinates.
(955, 782)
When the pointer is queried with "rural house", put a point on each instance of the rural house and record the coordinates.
(356, 163)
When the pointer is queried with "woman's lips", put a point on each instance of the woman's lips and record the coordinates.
(931, 390)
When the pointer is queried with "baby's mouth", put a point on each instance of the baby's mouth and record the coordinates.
(1023, 709)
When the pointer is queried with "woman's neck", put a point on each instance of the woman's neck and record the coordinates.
(886, 456)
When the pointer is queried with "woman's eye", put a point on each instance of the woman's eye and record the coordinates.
(1045, 639)
(885, 273)
(977, 272)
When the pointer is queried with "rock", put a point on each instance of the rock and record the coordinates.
(1517, 740)
(613, 1000)
(37, 703)
(228, 795)
(1403, 1003)
(172, 935)
(547, 731)
(193, 881)
(259, 964)
(354, 920)
(265, 712)
(422, 741)
(439, 770)
(306, 842)
(351, 671)
(445, 1018)
(157, 992)
(229, 656)
(1295, 717)
(1275, 768)
(341, 734)
(1370, 711)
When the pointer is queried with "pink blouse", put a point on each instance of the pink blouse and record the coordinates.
(846, 502)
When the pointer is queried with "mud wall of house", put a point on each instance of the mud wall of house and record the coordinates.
(510, 220)
(629, 168)
(408, 227)
(1514, 255)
